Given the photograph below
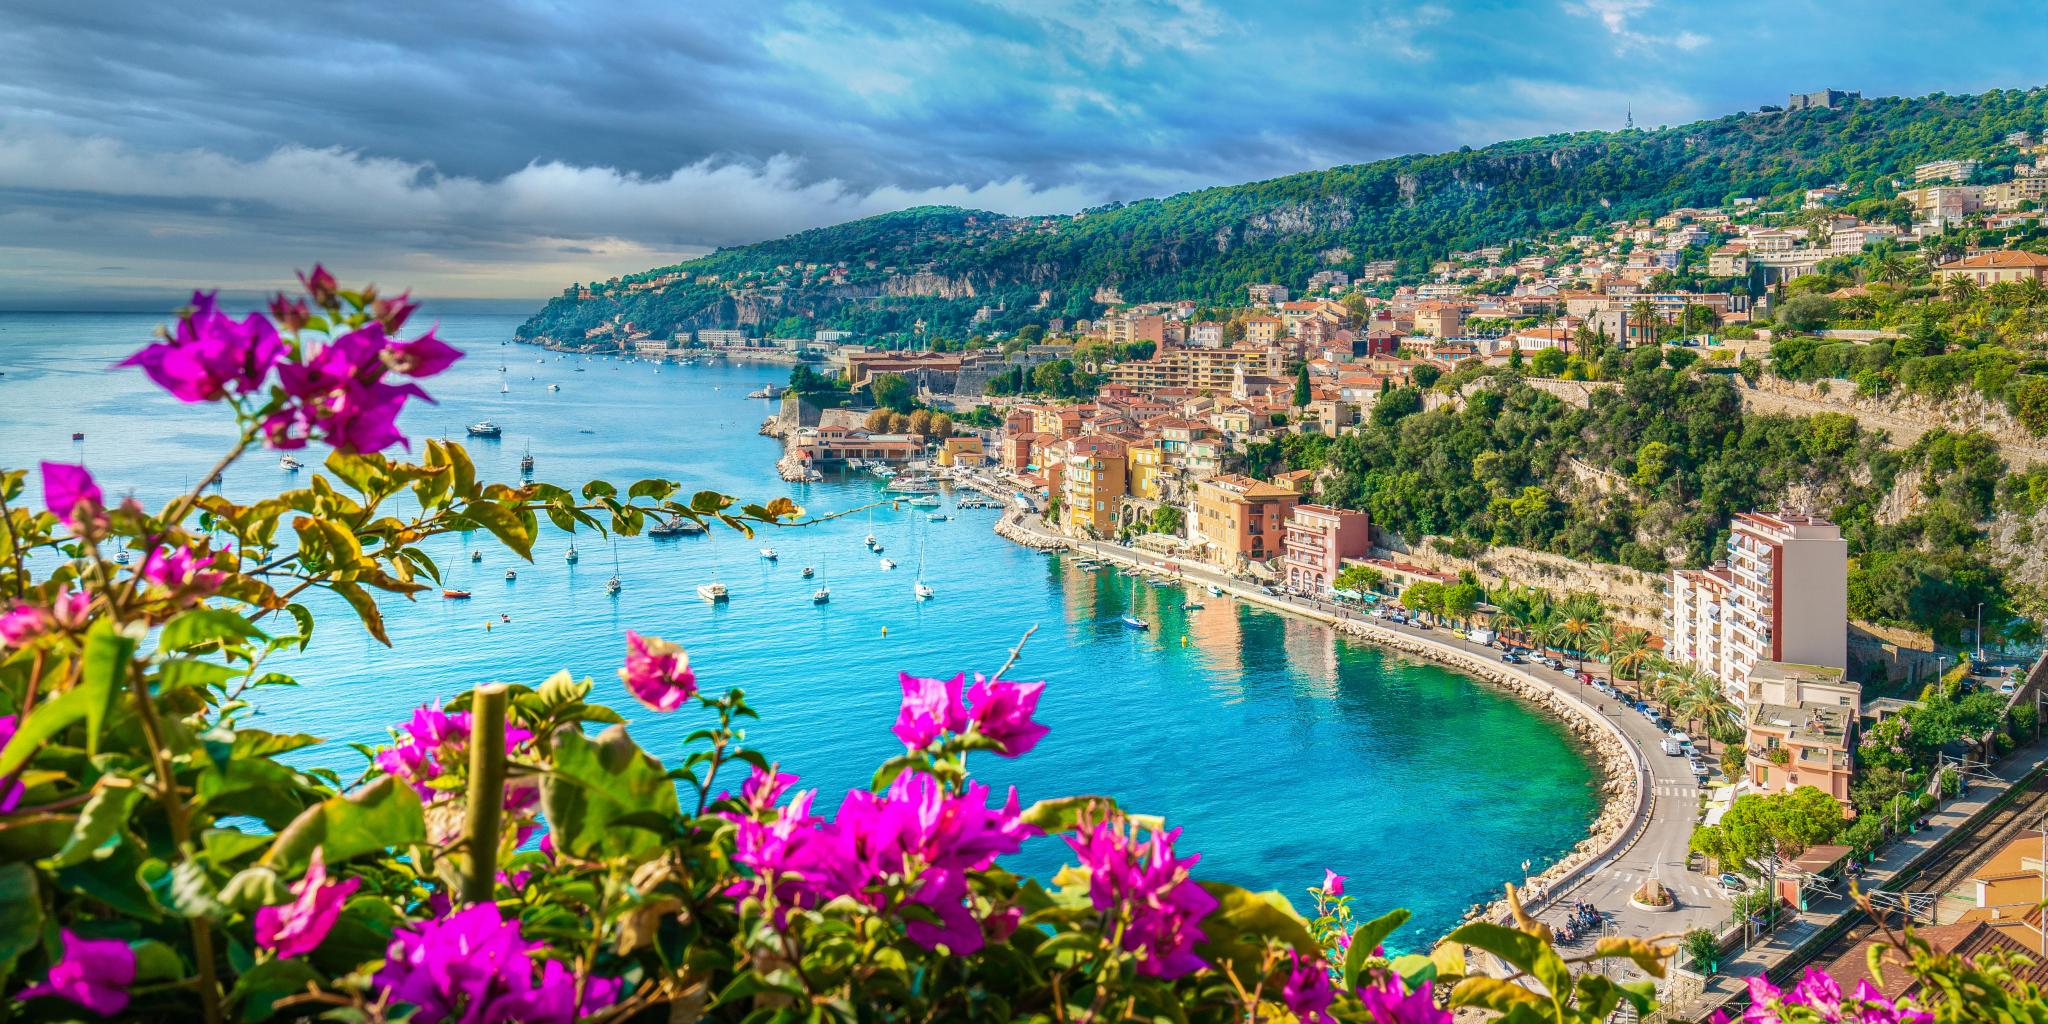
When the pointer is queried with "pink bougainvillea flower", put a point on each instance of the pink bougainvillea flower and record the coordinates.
(476, 966)
(1307, 992)
(1817, 990)
(22, 623)
(1002, 710)
(71, 493)
(1146, 880)
(320, 285)
(931, 708)
(211, 355)
(290, 314)
(1333, 883)
(182, 570)
(339, 394)
(1873, 1008)
(94, 973)
(297, 928)
(658, 672)
(1390, 1002)
(434, 739)
(765, 786)
(393, 313)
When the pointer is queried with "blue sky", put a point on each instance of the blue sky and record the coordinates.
(503, 149)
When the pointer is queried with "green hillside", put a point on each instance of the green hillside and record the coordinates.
(1208, 245)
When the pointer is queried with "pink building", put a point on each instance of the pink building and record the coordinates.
(1317, 541)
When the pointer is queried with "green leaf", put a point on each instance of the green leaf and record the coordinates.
(1064, 814)
(187, 890)
(597, 782)
(1245, 923)
(1414, 968)
(21, 914)
(511, 528)
(260, 987)
(106, 666)
(155, 961)
(1647, 955)
(1367, 938)
(1497, 994)
(101, 822)
(206, 626)
(45, 722)
(386, 813)
(365, 606)
(184, 673)
(1519, 948)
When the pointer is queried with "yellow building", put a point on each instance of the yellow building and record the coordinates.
(1241, 519)
(962, 451)
(1096, 475)
(1147, 462)
(1263, 330)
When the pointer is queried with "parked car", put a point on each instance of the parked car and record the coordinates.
(1733, 882)
(1511, 658)
(2007, 687)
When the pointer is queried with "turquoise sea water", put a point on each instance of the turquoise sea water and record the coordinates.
(1280, 748)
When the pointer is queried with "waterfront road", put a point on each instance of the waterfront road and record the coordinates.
(1658, 843)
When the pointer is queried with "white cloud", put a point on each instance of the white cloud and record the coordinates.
(527, 232)
(1620, 17)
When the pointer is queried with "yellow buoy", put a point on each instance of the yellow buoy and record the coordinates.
(885, 631)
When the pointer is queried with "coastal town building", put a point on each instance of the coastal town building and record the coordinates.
(1316, 541)
(1094, 477)
(1802, 744)
(1782, 596)
(2003, 266)
(1241, 520)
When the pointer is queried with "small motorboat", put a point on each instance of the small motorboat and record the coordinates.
(713, 592)
(485, 428)
(1191, 606)
(888, 564)
(937, 517)
(871, 540)
(558, 387)
(769, 554)
(476, 556)
(823, 595)
(78, 435)
(570, 556)
(924, 501)
(613, 586)
(809, 572)
(289, 464)
(1215, 591)
(511, 574)
(876, 548)
(924, 591)
(1133, 622)
(455, 595)
(121, 558)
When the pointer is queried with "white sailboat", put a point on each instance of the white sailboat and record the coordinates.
(713, 591)
(922, 589)
(614, 585)
(570, 556)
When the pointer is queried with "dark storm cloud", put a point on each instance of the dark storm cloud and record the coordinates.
(504, 148)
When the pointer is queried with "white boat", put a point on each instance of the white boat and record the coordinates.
(1215, 591)
(485, 428)
(476, 556)
(808, 572)
(511, 574)
(613, 586)
(926, 501)
(769, 554)
(871, 540)
(822, 595)
(1191, 606)
(712, 592)
(924, 591)
(289, 464)
(1132, 622)
(570, 555)
(554, 387)
(937, 517)
(888, 564)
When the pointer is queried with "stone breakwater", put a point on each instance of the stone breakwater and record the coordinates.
(1624, 806)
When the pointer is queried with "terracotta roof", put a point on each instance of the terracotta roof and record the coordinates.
(2004, 259)
(1968, 938)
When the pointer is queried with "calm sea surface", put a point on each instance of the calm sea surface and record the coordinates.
(1280, 748)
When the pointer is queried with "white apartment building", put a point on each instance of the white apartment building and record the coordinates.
(1781, 597)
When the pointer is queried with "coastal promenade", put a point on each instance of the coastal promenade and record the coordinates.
(1651, 799)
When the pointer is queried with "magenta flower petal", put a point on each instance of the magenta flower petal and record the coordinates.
(1308, 992)
(1390, 1002)
(1002, 711)
(658, 672)
(298, 927)
(931, 708)
(94, 973)
(423, 356)
(68, 490)
(1333, 883)
(1146, 880)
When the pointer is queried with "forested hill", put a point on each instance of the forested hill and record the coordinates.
(941, 264)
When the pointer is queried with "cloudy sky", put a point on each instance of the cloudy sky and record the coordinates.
(503, 149)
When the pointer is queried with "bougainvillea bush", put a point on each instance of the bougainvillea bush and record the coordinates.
(512, 854)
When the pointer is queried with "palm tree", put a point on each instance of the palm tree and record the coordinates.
(1574, 631)
(1958, 289)
(1644, 314)
(1629, 652)
(1889, 268)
